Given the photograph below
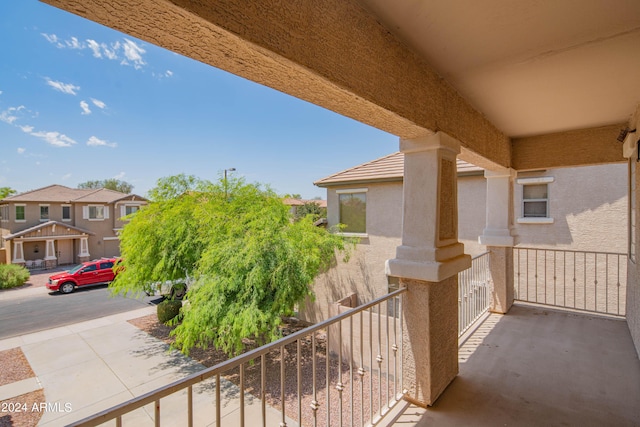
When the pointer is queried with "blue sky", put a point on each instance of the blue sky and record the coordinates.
(79, 102)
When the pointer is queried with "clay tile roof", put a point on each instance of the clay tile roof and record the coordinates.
(51, 193)
(385, 169)
(62, 194)
(101, 195)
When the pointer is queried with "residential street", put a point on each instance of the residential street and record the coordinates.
(45, 310)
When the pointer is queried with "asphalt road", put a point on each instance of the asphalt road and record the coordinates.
(23, 315)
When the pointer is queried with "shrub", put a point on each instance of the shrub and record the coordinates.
(168, 309)
(12, 275)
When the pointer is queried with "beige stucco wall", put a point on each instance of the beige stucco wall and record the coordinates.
(588, 204)
(101, 229)
(589, 207)
(633, 273)
(472, 206)
(364, 273)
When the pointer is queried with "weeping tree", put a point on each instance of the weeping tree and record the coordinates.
(250, 264)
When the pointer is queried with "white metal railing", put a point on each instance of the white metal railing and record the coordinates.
(360, 384)
(473, 292)
(580, 280)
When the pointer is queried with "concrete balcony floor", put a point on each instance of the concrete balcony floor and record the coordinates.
(539, 366)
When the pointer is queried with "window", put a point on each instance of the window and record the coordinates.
(90, 267)
(128, 210)
(20, 217)
(4, 212)
(106, 265)
(535, 200)
(44, 212)
(95, 212)
(353, 210)
(66, 212)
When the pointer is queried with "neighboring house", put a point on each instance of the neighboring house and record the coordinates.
(294, 204)
(565, 208)
(58, 225)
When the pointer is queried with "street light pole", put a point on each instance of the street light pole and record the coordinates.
(226, 195)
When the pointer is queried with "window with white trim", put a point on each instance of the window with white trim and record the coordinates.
(20, 213)
(4, 213)
(128, 209)
(95, 212)
(352, 205)
(44, 213)
(535, 200)
(66, 213)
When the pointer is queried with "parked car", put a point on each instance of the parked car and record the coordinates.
(173, 289)
(96, 272)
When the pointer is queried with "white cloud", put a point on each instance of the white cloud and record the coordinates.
(10, 114)
(169, 73)
(85, 108)
(67, 88)
(0, 92)
(133, 53)
(98, 103)
(95, 47)
(97, 142)
(55, 138)
(53, 39)
(74, 44)
(127, 52)
(111, 53)
(66, 176)
(27, 129)
(21, 150)
(121, 175)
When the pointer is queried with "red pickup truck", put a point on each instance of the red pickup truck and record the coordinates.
(96, 272)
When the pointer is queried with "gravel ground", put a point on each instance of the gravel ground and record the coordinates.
(18, 411)
(369, 387)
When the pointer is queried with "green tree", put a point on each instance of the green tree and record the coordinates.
(6, 191)
(250, 264)
(110, 184)
(311, 208)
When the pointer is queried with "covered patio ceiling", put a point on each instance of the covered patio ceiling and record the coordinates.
(521, 84)
(531, 67)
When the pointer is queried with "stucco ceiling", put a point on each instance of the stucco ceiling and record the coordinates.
(532, 67)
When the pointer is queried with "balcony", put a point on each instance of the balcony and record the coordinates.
(540, 366)
(537, 365)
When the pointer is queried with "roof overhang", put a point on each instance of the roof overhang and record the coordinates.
(53, 225)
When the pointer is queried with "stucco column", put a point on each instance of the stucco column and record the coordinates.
(498, 239)
(427, 264)
(50, 254)
(83, 255)
(18, 252)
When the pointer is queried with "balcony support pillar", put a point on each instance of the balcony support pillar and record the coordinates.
(427, 264)
(498, 238)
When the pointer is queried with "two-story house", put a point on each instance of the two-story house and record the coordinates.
(576, 209)
(57, 225)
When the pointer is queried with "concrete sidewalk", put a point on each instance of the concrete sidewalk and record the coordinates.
(94, 365)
